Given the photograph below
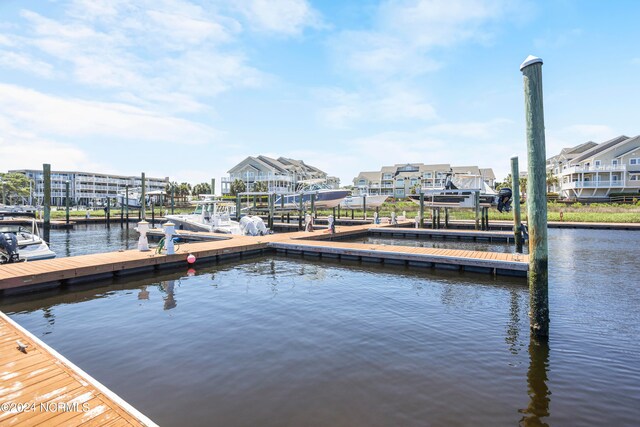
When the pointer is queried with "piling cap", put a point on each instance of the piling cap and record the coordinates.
(530, 60)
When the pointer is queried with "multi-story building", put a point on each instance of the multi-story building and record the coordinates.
(280, 175)
(86, 188)
(403, 179)
(595, 171)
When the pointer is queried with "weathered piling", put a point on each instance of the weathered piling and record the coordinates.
(364, 206)
(238, 207)
(173, 193)
(108, 213)
(126, 202)
(476, 200)
(213, 186)
(421, 209)
(515, 178)
(143, 202)
(313, 206)
(46, 175)
(66, 201)
(536, 197)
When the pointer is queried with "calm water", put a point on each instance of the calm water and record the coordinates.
(91, 239)
(285, 341)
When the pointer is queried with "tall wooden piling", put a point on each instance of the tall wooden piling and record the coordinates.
(66, 201)
(515, 178)
(126, 202)
(46, 203)
(108, 213)
(173, 194)
(476, 202)
(536, 198)
(238, 207)
(300, 211)
(143, 202)
(213, 186)
(421, 209)
(364, 206)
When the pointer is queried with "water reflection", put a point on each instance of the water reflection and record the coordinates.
(513, 327)
(168, 287)
(143, 294)
(537, 379)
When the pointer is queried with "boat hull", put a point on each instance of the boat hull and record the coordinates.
(357, 202)
(323, 199)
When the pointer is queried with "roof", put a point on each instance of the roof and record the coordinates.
(599, 148)
(369, 176)
(280, 165)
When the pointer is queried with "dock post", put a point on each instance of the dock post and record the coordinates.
(121, 215)
(126, 203)
(153, 215)
(338, 211)
(515, 178)
(353, 213)
(272, 204)
(334, 213)
(364, 206)
(421, 209)
(433, 218)
(446, 217)
(66, 200)
(143, 202)
(438, 211)
(476, 196)
(238, 207)
(46, 202)
(313, 206)
(536, 198)
(300, 211)
(213, 186)
(173, 193)
(108, 213)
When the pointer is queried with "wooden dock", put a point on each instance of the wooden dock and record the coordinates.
(41, 387)
(29, 276)
(457, 234)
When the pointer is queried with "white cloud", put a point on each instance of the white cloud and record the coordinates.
(289, 17)
(166, 54)
(75, 118)
(405, 33)
(390, 104)
(25, 62)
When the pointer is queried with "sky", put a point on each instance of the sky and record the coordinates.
(187, 89)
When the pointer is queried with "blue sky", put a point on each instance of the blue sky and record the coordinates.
(187, 89)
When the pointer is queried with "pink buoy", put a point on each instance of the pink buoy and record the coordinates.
(191, 258)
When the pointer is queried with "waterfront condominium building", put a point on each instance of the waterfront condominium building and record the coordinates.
(86, 188)
(402, 180)
(591, 171)
(280, 175)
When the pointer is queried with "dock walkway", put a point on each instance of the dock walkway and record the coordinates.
(41, 387)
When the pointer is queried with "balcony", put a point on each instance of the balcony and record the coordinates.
(593, 184)
(580, 169)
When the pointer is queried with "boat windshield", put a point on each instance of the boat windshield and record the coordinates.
(313, 187)
(12, 228)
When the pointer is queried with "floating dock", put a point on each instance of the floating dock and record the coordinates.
(28, 276)
(41, 387)
(457, 234)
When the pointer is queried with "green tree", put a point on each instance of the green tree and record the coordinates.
(260, 187)
(202, 188)
(184, 190)
(237, 186)
(552, 181)
(13, 186)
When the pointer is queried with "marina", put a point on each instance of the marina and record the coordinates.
(301, 333)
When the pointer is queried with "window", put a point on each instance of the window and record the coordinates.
(614, 162)
(386, 176)
(635, 161)
(400, 193)
(400, 182)
(362, 182)
(414, 181)
(597, 163)
(615, 177)
(427, 175)
(634, 178)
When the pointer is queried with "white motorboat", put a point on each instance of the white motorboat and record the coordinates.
(212, 215)
(324, 197)
(20, 240)
(460, 190)
(358, 202)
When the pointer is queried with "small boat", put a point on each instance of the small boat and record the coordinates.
(213, 215)
(358, 202)
(20, 239)
(324, 197)
(460, 191)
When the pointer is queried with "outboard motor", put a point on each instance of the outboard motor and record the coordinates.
(8, 248)
(253, 226)
(505, 196)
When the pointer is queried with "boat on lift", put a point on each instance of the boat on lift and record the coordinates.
(460, 190)
(358, 202)
(20, 239)
(324, 196)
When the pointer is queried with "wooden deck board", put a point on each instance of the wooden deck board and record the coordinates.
(41, 376)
